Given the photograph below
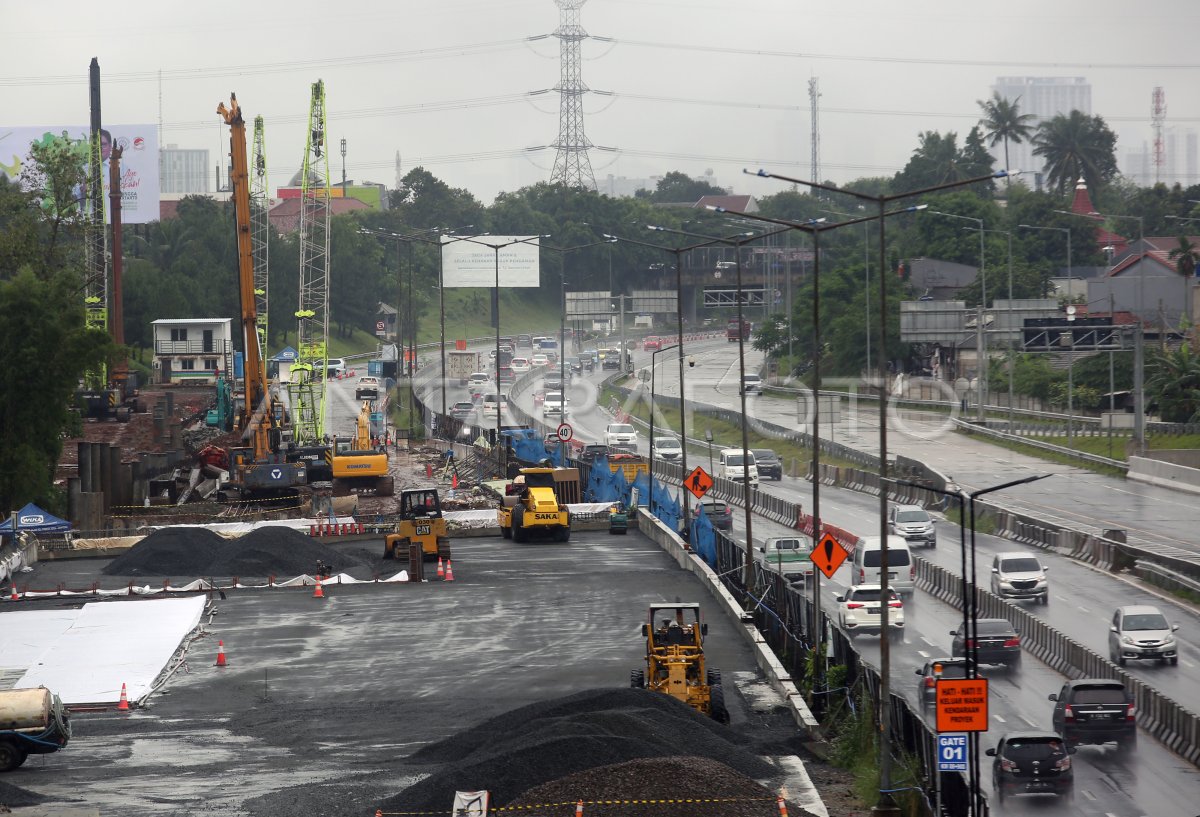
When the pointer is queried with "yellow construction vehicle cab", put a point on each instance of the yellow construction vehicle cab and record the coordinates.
(531, 508)
(675, 660)
(358, 465)
(420, 521)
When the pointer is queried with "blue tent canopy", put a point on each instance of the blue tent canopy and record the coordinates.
(35, 520)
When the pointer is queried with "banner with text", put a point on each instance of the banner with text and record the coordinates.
(480, 261)
(139, 161)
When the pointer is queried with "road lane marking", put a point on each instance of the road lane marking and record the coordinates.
(927, 641)
(924, 654)
(1089, 795)
(1028, 721)
(1187, 663)
(1084, 609)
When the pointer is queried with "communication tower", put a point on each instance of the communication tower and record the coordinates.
(1158, 115)
(572, 167)
(814, 103)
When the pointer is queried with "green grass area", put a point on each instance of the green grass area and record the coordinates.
(468, 315)
(984, 522)
(401, 417)
(1053, 456)
(727, 435)
(359, 342)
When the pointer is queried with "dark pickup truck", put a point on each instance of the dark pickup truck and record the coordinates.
(1095, 710)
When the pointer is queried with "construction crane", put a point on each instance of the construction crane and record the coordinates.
(260, 231)
(259, 466)
(104, 394)
(307, 391)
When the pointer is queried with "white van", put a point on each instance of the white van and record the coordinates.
(494, 404)
(902, 571)
(731, 466)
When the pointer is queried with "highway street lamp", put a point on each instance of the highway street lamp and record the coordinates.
(683, 442)
(737, 242)
(502, 455)
(814, 227)
(1011, 328)
(708, 437)
(1139, 386)
(980, 353)
(678, 253)
(970, 609)
(885, 804)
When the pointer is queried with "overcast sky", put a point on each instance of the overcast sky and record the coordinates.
(699, 84)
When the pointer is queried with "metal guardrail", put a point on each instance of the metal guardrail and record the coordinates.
(1158, 714)
(1056, 449)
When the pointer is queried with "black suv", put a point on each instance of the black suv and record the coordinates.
(934, 669)
(1032, 763)
(593, 450)
(998, 643)
(768, 463)
(1095, 710)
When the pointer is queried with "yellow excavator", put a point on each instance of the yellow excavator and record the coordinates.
(358, 466)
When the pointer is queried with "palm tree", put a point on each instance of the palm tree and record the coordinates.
(1003, 122)
(1076, 146)
(1174, 383)
(1186, 256)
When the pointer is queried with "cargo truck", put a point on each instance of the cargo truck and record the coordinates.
(460, 365)
(32, 722)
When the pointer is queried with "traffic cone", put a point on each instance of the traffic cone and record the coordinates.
(441, 568)
(579, 809)
(318, 593)
(221, 654)
(782, 807)
(428, 470)
(449, 570)
(15, 595)
(123, 704)
(454, 481)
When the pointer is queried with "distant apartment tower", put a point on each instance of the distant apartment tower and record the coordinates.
(1045, 98)
(183, 172)
(1181, 160)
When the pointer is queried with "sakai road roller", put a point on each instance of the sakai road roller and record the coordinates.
(532, 509)
(675, 663)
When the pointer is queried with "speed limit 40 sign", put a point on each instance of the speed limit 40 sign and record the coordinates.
(565, 432)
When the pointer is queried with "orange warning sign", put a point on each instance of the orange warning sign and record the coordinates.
(962, 705)
(828, 555)
(698, 482)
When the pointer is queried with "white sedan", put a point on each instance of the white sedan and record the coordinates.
(539, 360)
(859, 611)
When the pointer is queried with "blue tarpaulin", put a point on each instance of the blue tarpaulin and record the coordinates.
(704, 539)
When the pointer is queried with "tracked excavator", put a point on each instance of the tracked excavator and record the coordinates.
(359, 466)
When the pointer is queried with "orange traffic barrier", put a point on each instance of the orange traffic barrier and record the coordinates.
(123, 704)
(221, 662)
(318, 593)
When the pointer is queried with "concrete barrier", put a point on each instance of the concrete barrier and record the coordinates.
(1166, 474)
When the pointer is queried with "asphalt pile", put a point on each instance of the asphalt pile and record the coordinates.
(272, 550)
(14, 796)
(539, 744)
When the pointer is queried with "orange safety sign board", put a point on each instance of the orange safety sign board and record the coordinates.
(962, 704)
(828, 555)
(698, 482)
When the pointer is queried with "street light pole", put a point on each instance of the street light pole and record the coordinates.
(980, 351)
(885, 804)
(737, 242)
(653, 374)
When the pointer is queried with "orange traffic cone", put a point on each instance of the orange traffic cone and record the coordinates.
(579, 809)
(441, 568)
(454, 481)
(221, 654)
(449, 570)
(15, 595)
(782, 807)
(123, 704)
(318, 593)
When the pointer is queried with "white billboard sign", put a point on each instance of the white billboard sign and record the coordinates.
(139, 161)
(474, 263)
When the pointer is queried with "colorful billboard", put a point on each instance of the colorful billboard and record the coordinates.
(478, 261)
(139, 161)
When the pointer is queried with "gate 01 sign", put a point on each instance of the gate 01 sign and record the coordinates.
(952, 752)
(962, 705)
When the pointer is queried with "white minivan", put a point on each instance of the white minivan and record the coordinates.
(494, 404)
(902, 571)
(733, 467)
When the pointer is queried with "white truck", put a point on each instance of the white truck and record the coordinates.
(461, 364)
(32, 722)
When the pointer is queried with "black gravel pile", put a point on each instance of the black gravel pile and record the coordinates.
(660, 778)
(272, 550)
(169, 552)
(14, 796)
(543, 742)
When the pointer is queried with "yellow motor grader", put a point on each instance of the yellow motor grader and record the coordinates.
(675, 662)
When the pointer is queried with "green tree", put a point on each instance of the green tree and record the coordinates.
(1003, 122)
(1077, 146)
(1186, 255)
(1173, 384)
(680, 188)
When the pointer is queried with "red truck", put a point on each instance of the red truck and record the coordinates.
(731, 330)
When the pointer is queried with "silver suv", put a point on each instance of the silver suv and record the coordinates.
(1019, 575)
(1141, 632)
(913, 523)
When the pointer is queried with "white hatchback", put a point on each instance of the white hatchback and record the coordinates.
(539, 360)
(859, 610)
(520, 365)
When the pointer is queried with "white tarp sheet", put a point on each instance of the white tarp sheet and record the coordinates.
(112, 644)
(26, 634)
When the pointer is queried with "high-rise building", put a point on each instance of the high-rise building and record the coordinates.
(183, 171)
(1045, 98)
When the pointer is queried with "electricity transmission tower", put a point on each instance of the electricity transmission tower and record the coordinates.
(308, 398)
(572, 167)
